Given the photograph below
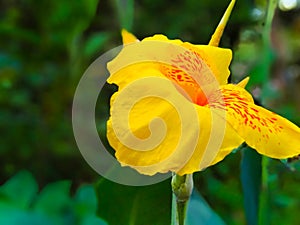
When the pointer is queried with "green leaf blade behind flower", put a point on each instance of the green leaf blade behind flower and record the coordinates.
(95, 42)
(251, 183)
(119, 204)
(20, 190)
(125, 11)
(200, 213)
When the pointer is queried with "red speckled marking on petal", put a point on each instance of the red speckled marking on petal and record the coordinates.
(262, 129)
(186, 68)
(248, 113)
(177, 75)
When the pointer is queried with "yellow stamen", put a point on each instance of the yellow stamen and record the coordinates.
(216, 37)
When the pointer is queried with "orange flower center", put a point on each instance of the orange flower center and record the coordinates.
(185, 84)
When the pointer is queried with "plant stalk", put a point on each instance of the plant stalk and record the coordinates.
(182, 187)
(264, 195)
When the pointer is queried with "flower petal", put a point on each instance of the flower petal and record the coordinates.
(217, 59)
(133, 72)
(187, 66)
(217, 144)
(140, 139)
(161, 37)
(128, 66)
(128, 37)
(263, 130)
(244, 82)
(189, 140)
(230, 142)
(216, 37)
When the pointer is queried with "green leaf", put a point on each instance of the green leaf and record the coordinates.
(200, 213)
(251, 183)
(119, 204)
(86, 206)
(125, 10)
(10, 215)
(85, 200)
(94, 43)
(20, 190)
(54, 200)
(293, 164)
(93, 220)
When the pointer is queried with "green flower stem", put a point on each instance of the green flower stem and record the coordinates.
(264, 195)
(182, 187)
(266, 35)
(272, 5)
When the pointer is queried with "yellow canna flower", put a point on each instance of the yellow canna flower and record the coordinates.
(183, 116)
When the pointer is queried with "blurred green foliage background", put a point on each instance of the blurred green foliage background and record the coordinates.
(45, 47)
